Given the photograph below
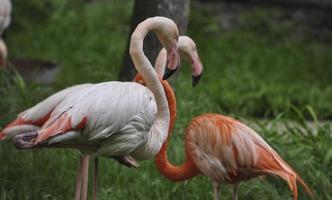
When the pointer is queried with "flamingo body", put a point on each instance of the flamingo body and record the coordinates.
(103, 116)
(5, 11)
(113, 120)
(228, 151)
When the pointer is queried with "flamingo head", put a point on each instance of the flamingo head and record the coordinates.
(168, 36)
(3, 54)
(188, 50)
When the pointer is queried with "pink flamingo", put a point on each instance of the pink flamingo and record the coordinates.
(122, 120)
(226, 151)
(5, 11)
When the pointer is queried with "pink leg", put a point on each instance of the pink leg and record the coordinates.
(95, 177)
(79, 179)
(216, 190)
(85, 175)
(236, 188)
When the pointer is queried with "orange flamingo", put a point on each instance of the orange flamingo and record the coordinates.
(225, 150)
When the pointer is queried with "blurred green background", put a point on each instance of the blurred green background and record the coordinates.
(268, 66)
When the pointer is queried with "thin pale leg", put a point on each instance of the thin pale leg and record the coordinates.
(95, 177)
(79, 179)
(216, 190)
(85, 175)
(235, 190)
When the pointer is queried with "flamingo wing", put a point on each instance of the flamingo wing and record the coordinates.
(225, 141)
(35, 117)
(227, 150)
(216, 147)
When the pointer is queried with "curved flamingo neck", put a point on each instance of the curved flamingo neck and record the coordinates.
(176, 173)
(3, 53)
(161, 61)
(149, 75)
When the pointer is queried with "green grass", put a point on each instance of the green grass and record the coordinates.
(258, 69)
(262, 67)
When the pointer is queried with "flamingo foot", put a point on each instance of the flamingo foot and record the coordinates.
(25, 140)
(127, 161)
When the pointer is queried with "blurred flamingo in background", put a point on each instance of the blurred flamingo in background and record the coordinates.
(5, 11)
(122, 120)
(227, 151)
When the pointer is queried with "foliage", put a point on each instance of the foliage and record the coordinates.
(262, 67)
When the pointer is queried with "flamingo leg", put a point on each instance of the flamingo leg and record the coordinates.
(235, 190)
(95, 177)
(216, 190)
(85, 175)
(79, 179)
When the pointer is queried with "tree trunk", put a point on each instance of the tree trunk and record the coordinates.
(177, 10)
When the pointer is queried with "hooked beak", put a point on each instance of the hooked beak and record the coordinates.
(196, 79)
(197, 70)
(173, 62)
(168, 73)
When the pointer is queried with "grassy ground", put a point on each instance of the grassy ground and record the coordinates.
(258, 69)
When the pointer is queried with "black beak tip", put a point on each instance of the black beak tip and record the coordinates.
(168, 73)
(196, 80)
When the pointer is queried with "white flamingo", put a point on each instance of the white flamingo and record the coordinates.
(5, 11)
(123, 120)
(33, 118)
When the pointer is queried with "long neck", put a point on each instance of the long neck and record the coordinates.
(176, 173)
(161, 61)
(3, 53)
(149, 75)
